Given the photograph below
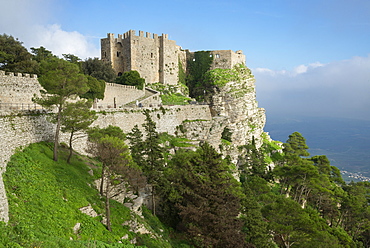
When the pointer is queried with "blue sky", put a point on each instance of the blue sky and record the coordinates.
(310, 57)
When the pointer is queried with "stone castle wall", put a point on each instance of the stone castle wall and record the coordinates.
(154, 57)
(226, 59)
(31, 129)
(17, 132)
(18, 87)
(119, 95)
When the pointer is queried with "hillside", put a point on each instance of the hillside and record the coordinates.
(46, 198)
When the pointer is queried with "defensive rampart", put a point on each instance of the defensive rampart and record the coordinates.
(19, 131)
(18, 87)
(117, 95)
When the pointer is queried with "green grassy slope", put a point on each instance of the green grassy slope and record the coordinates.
(44, 201)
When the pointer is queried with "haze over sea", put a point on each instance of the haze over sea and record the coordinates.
(344, 141)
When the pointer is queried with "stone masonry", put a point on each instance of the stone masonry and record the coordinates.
(18, 87)
(156, 58)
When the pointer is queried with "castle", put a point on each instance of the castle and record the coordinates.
(233, 107)
(155, 57)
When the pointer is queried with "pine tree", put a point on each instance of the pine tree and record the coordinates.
(61, 80)
(76, 117)
(153, 163)
(136, 145)
(208, 198)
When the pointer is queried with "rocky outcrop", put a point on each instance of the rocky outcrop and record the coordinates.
(234, 110)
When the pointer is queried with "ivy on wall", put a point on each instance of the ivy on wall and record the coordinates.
(197, 65)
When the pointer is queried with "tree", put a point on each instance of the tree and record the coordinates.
(136, 145)
(101, 70)
(288, 221)
(355, 211)
(296, 146)
(95, 134)
(77, 116)
(324, 167)
(207, 198)
(253, 162)
(153, 164)
(114, 155)
(41, 53)
(62, 81)
(131, 78)
(96, 88)
(72, 58)
(14, 57)
(254, 225)
(197, 66)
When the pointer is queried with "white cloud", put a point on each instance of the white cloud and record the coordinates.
(340, 89)
(61, 42)
(29, 22)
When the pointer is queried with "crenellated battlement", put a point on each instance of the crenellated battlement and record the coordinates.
(121, 86)
(18, 87)
(132, 33)
(17, 74)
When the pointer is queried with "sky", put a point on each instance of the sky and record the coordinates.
(308, 57)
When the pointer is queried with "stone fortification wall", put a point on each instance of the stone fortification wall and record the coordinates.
(226, 59)
(145, 55)
(167, 118)
(154, 57)
(18, 131)
(169, 61)
(152, 100)
(119, 95)
(18, 87)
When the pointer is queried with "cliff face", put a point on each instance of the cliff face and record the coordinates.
(236, 117)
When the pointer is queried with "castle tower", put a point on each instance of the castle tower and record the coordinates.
(154, 57)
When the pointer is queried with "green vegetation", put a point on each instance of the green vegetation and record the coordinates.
(77, 117)
(45, 197)
(198, 65)
(175, 99)
(182, 74)
(131, 78)
(62, 80)
(203, 82)
(283, 197)
(203, 192)
(172, 94)
(226, 134)
(14, 57)
(101, 70)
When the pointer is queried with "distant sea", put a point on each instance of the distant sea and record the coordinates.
(346, 142)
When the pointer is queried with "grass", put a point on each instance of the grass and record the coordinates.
(175, 99)
(44, 200)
